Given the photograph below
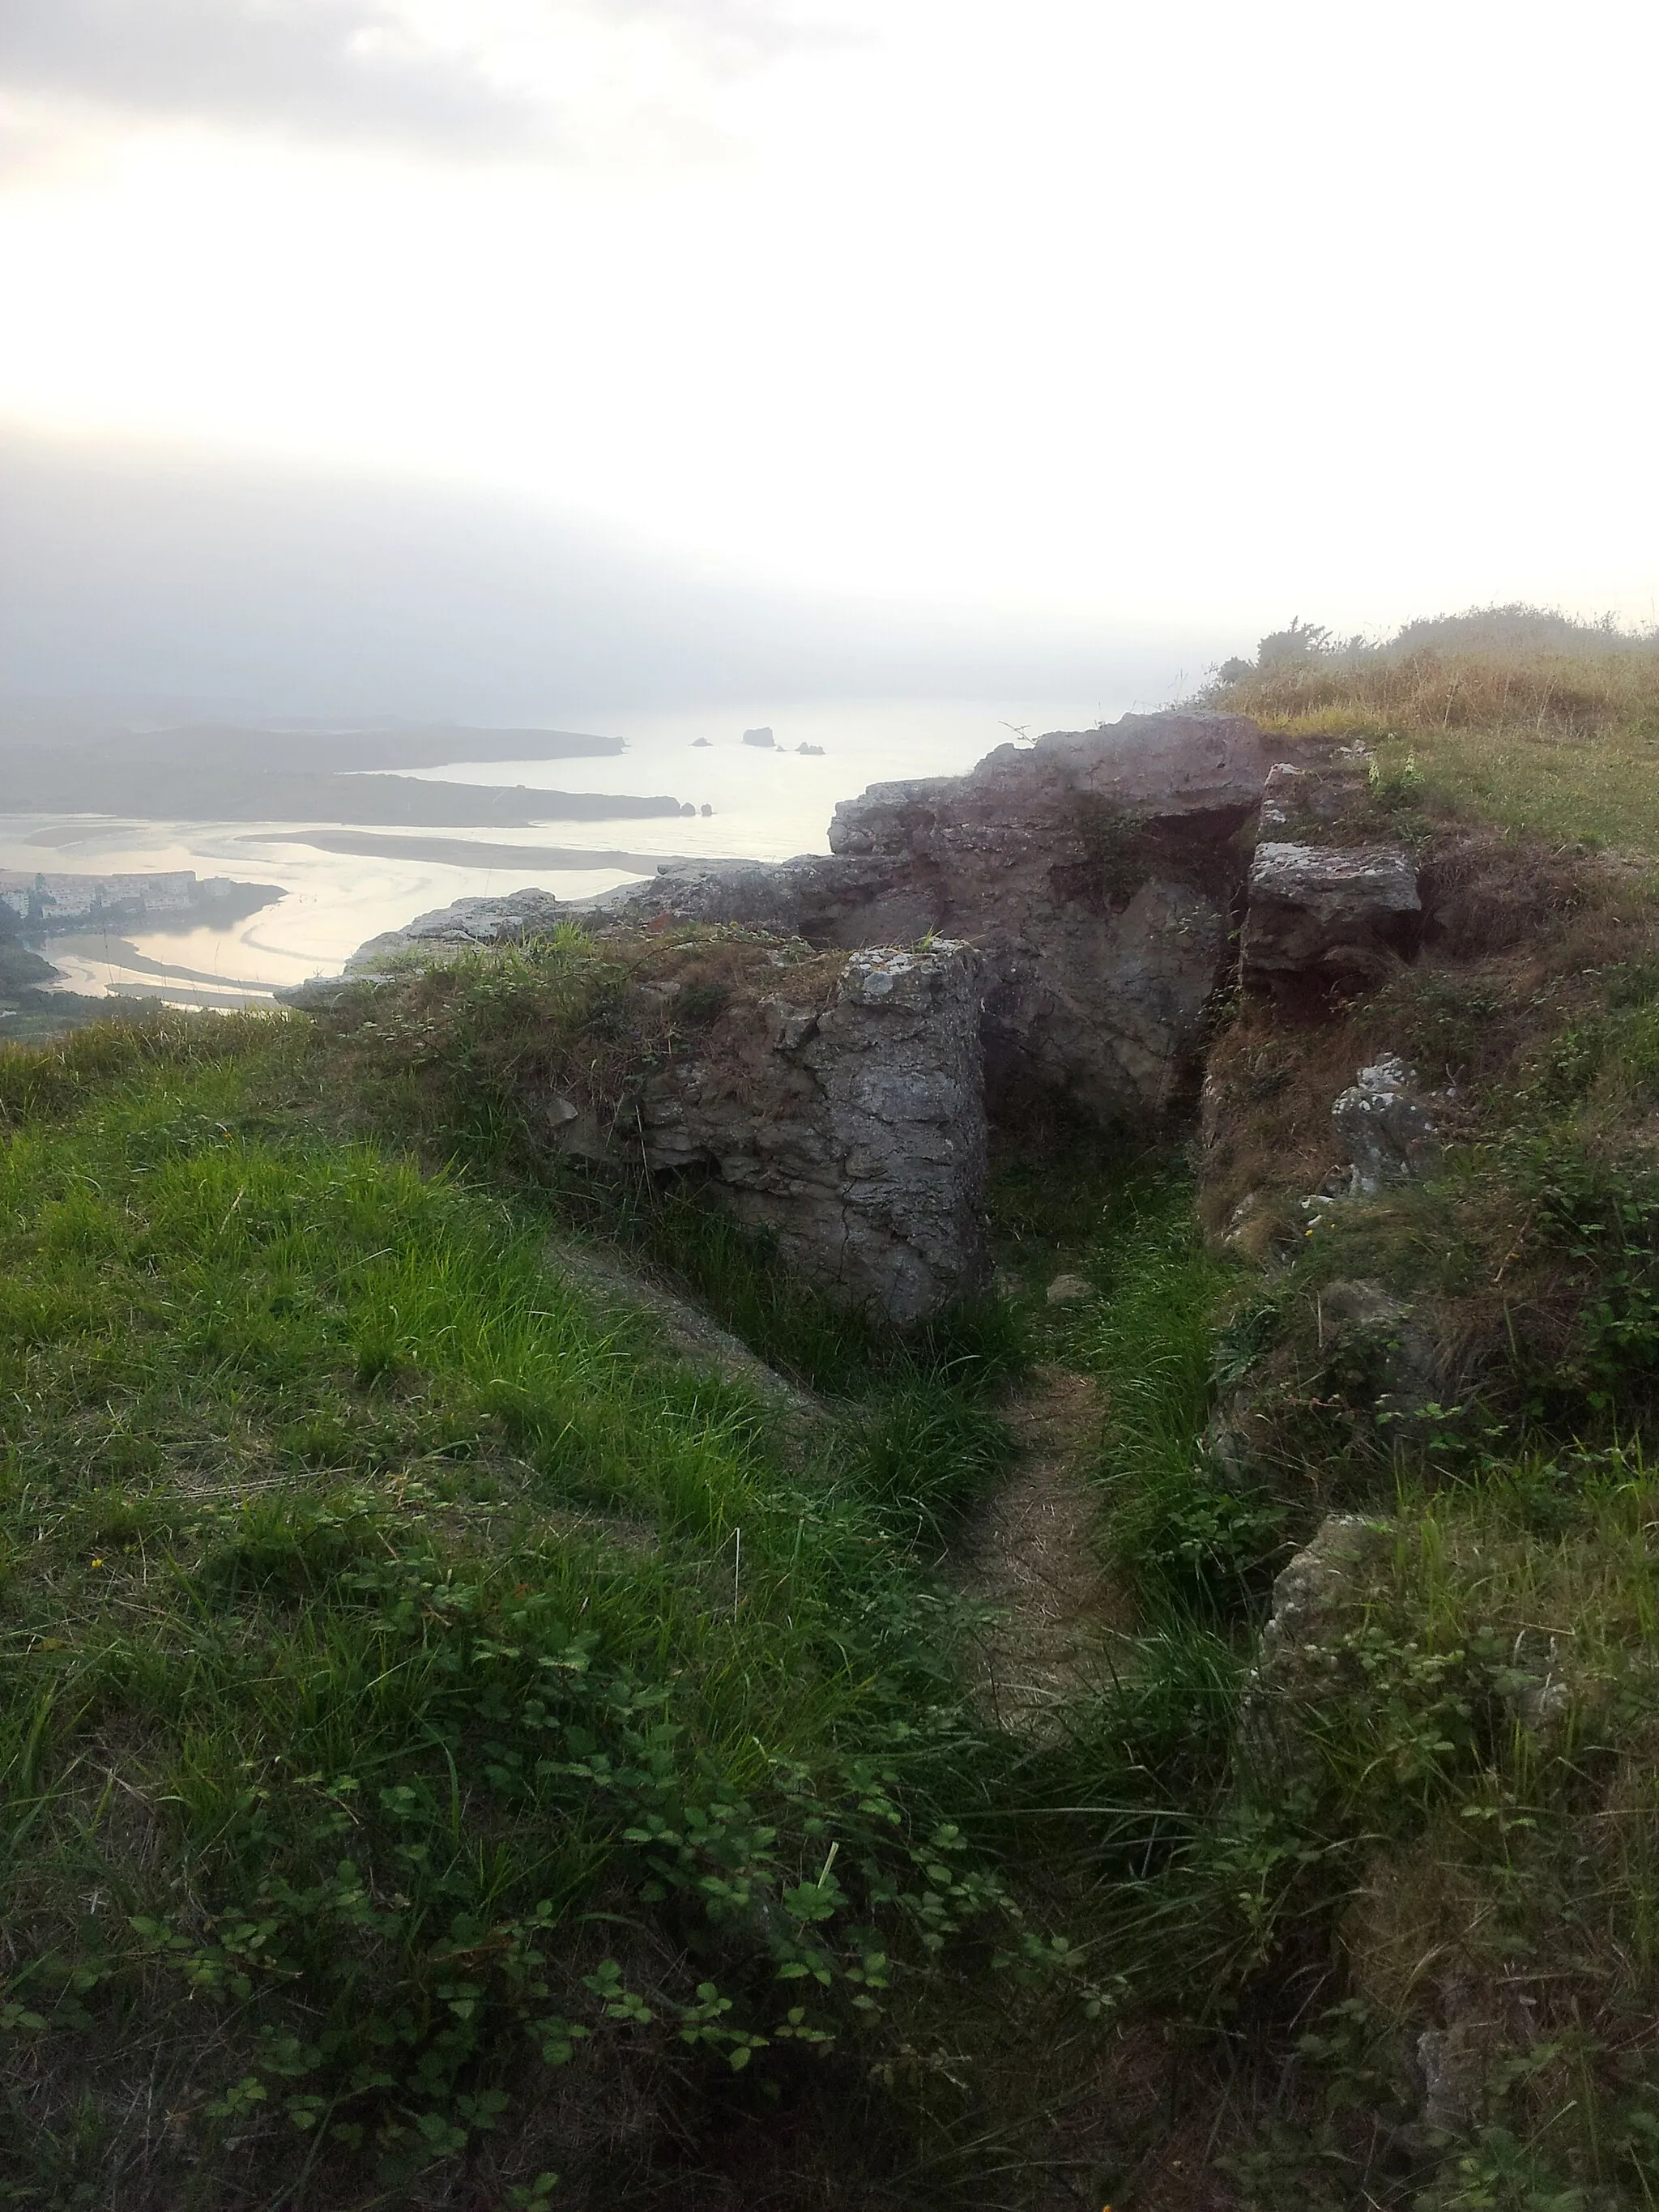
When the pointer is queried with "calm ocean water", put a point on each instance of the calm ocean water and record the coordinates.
(766, 806)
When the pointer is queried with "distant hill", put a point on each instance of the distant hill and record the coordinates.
(232, 772)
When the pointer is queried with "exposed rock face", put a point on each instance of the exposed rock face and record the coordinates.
(1095, 872)
(1388, 1359)
(1319, 1592)
(1097, 875)
(54, 903)
(469, 922)
(1453, 2062)
(1385, 1125)
(837, 1103)
(1318, 1599)
(1304, 801)
(854, 1131)
(1327, 915)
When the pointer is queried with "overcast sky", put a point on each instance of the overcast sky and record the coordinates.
(1115, 321)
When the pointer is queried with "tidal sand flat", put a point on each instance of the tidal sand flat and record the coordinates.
(348, 872)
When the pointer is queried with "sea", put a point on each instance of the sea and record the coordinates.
(763, 804)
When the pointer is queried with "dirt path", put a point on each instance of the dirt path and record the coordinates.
(1030, 1552)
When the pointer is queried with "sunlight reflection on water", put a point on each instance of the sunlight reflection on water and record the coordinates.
(767, 805)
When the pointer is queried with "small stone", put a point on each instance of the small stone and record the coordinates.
(761, 738)
(1384, 1124)
(1453, 2064)
(1069, 1291)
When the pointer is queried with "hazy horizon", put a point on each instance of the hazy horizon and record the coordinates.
(126, 569)
(535, 359)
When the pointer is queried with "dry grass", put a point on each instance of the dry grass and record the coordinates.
(1541, 725)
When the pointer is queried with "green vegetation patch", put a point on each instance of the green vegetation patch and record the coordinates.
(441, 1735)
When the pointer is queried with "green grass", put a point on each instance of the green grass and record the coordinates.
(441, 1736)
(1461, 1794)
(1446, 1809)
(1178, 1531)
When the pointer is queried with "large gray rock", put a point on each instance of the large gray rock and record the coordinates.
(1094, 871)
(837, 1103)
(855, 1132)
(1149, 766)
(1324, 915)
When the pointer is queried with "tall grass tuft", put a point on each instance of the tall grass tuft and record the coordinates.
(1511, 713)
(1180, 1536)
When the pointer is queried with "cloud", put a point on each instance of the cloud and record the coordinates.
(325, 67)
(358, 69)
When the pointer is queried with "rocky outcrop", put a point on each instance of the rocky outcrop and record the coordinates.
(439, 934)
(1384, 1356)
(1099, 877)
(1096, 873)
(1313, 801)
(851, 1128)
(1319, 1599)
(854, 1133)
(506, 920)
(1317, 1595)
(836, 1103)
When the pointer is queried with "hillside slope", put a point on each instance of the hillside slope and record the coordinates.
(466, 1750)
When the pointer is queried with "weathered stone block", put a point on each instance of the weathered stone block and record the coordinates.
(1326, 915)
(1301, 798)
(854, 1131)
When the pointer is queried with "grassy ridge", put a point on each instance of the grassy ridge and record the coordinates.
(440, 1738)
(1435, 1819)
(1517, 716)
